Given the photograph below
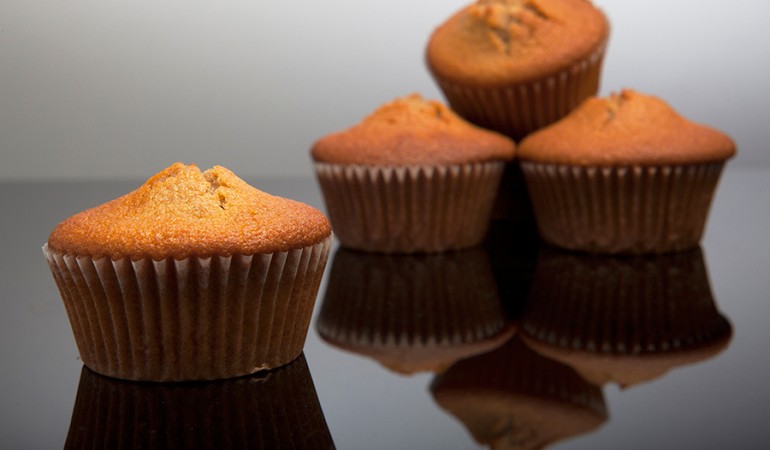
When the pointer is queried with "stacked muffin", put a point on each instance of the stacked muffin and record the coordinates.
(412, 177)
(518, 65)
(625, 174)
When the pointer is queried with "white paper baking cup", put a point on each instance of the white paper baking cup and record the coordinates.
(409, 209)
(197, 318)
(629, 209)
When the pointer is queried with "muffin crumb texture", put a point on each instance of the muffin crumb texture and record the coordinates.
(497, 42)
(626, 128)
(509, 22)
(412, 131)
(183, 211)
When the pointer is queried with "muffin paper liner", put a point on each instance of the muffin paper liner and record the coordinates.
(630, 209)
(197, 318)
(258, 411)
(624, 319)
(409, 209)
(413, 313)
(517, 109)
(512, 397)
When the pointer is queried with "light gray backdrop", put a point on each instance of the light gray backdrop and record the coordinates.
(107, 89)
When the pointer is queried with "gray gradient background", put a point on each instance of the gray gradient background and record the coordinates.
(105, 89)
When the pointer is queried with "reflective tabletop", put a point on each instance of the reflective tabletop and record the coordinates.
(509, 345)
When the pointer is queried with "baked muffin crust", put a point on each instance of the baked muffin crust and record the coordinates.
(182, 211)
(626, 128)
(412, 131)
(498, 42)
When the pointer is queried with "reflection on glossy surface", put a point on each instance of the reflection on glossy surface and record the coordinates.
(624, 319)
(583, 321)
(271, 410)
(512, 249)
(514, 398)
(413, 312)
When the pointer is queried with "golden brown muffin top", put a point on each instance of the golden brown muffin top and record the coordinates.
(182, 212)
(412, 131)
(626, 128)
(497, 42)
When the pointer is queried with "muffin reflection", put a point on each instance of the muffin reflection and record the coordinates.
(624, 319)
(413, 313)
(272, 410)
(514, 398)
(512, 250)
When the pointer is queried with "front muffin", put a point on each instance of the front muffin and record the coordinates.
(411, 177)
(515, 66)
(192, 276)
(623, 174)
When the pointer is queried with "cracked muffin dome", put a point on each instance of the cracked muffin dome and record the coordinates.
(494, 42)
(182, 211)
(626, 128)
(412, 131)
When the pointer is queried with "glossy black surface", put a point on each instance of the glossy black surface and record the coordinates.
(547, 339)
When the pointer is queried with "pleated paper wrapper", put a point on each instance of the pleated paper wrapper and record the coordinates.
(517, 109)
(198, 318)
(409, 209)
(633, 209)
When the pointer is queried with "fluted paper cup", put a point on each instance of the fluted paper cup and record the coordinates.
(198, 318)
(409, 209)
(628, 209)
(517, 109)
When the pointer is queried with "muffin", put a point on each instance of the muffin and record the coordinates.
(623, 174)
(411, 177)
(515, 66)
(255, 411)
(192, 276)
(624, 319)
(512, 397)
(413, 313)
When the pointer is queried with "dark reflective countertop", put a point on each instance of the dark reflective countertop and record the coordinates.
(511, 345)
